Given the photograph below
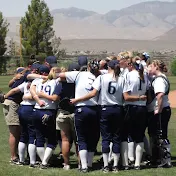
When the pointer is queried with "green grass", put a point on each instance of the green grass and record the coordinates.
(8, 170)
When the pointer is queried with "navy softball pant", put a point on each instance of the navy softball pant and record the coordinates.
(110, 124)
(134, 123)
(26, 116)
(87, 127)
(153, 123)
(47, 129)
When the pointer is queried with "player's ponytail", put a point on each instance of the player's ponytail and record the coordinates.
(52, 74)
(161, 65)
(139, 67)
(117, 70)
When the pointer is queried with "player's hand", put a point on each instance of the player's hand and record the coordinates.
(41, 103)
(143, 97)
(73, 101)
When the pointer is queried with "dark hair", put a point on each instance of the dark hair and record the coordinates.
(117, 70)
(139, 68)
(94, 67)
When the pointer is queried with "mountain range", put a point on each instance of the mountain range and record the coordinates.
(152, 20)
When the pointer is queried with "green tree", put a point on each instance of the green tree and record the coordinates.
(173, 67)
(37, 30)
(55, 43)
(3, 33)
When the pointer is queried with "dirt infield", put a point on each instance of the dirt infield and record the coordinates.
(172, 99)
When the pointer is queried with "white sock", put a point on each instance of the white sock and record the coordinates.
(147, 146)
(41, 152)
(110, 153)
(47, 155)
(90, 158)
(32, 153)
(21, 151)
(139, 153)
(124, 153)
(131, 151)
(83, 157)
(105, 159)
(116, 158)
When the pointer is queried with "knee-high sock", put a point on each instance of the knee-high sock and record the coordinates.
(110, 153)
(124, 153)
(21, 151)
(90, 158)
(41, 152)
(47, 155)
(105, 159)
(83, 157)
(116, 158)
(32, 153)
(131, 151)
(139, 152)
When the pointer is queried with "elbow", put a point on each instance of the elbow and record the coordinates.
(126, 97)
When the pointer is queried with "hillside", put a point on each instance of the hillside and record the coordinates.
(143, 21)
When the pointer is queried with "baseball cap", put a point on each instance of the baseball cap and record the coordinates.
(74, 67)
(35, 66)
(82, 60)
(20, 69)
(52, 61)
(146, 55)
(43, 69)
(113, 63)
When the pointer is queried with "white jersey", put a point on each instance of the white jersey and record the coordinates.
(49, 88)
(122, 79)
(104, 71)
(111, 93)
(83, 85)
(25, 88)
(160, 85)
(135, 87)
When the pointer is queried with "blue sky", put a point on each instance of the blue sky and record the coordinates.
(18, 7)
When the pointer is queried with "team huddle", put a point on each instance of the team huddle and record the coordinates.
(116, 99)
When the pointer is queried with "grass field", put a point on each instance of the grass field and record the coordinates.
(8, 170)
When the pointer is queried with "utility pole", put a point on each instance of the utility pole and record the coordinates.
(21, 57)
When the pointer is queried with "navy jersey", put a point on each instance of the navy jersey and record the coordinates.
(17, 97)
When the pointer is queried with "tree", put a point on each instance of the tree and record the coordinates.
(3, 33)
(55, 43)
(12, 51)
(173, 67)
(37, 30)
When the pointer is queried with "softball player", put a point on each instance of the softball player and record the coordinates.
(46, 93)
(161, 106)
(110, 99)
(135, 101)
(25, 113)
(86, 113)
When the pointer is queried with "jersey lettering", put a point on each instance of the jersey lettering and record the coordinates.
(140, 85)
(46, 89)
(90, 88)
(111, 88)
